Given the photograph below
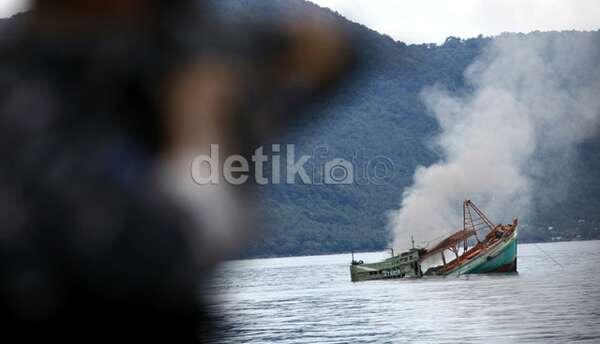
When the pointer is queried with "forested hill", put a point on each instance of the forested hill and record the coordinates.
(382, 115)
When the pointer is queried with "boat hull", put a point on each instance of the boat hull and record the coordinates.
(500, 258)
(405, 265)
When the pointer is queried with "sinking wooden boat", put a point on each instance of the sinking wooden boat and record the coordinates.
(403, 265)
(480, 247)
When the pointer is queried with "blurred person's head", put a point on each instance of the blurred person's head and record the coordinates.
(104, 106)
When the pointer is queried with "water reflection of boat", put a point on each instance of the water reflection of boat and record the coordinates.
(496, 251)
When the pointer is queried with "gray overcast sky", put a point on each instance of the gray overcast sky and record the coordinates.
(10, 7)
(433, 20)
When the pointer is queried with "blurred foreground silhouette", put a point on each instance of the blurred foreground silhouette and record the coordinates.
(103, 235)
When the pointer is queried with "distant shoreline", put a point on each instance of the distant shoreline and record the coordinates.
(381, 250)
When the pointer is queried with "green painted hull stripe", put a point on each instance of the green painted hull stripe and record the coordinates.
(490, 262)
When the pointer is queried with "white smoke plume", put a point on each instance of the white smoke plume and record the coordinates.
(530, 99)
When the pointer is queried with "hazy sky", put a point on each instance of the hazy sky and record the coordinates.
(434, 20)
(10, 7)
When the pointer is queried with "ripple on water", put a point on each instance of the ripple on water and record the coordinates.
(311, 300)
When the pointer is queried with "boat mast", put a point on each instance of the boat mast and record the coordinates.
(481, 220)
(466, 213)
(474, 220)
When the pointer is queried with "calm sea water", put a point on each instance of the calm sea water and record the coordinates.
(555, 298)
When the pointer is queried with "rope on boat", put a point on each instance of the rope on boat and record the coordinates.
(547, 255)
